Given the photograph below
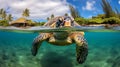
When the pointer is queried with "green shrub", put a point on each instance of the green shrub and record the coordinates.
(31, 23)
(95, 21)
(4, 23)
(39, 23)
(81, 21)
(111, 20)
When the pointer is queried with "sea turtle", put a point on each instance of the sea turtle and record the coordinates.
(63, 38)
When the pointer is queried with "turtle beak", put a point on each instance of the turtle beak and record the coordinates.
(67, 23)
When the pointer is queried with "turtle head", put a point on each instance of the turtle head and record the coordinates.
(64, 22)
(68, 22)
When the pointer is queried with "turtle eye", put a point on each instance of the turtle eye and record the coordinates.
(58, 23)
(72, 23)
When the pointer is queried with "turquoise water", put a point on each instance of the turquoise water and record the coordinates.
(104, 51)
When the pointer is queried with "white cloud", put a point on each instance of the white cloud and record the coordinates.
(89, 6)
(119, 1)
(38, 8)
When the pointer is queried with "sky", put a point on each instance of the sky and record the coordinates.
(41, 9)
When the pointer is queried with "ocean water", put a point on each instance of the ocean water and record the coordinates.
(15, 51)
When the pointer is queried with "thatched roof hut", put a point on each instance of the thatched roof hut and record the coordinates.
(20, 22)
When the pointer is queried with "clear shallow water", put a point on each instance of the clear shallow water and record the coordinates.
(43, 29)
(104, 51)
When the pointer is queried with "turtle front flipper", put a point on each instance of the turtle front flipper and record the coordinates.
(37, 42)
(81, 48)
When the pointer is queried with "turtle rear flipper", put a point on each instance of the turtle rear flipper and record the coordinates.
(37, 42)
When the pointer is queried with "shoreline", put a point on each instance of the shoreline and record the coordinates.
(106, 26)
(111, 25)
(90, 25)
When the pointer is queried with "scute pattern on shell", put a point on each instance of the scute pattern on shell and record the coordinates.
(52, 21)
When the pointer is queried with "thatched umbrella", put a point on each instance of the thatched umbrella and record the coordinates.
(20, 22)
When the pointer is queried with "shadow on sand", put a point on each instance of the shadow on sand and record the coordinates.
(53, 59)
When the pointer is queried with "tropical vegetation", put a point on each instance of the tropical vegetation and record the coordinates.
(110, 16)
(26, 13)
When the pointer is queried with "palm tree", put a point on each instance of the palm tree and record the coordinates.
(48, 18)
(26, 13)
(117, 12)
(52, 16)
(66, 14)
(9, 17)
(74, 12)
(107, 9)
(1, 11)
(4, 15)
